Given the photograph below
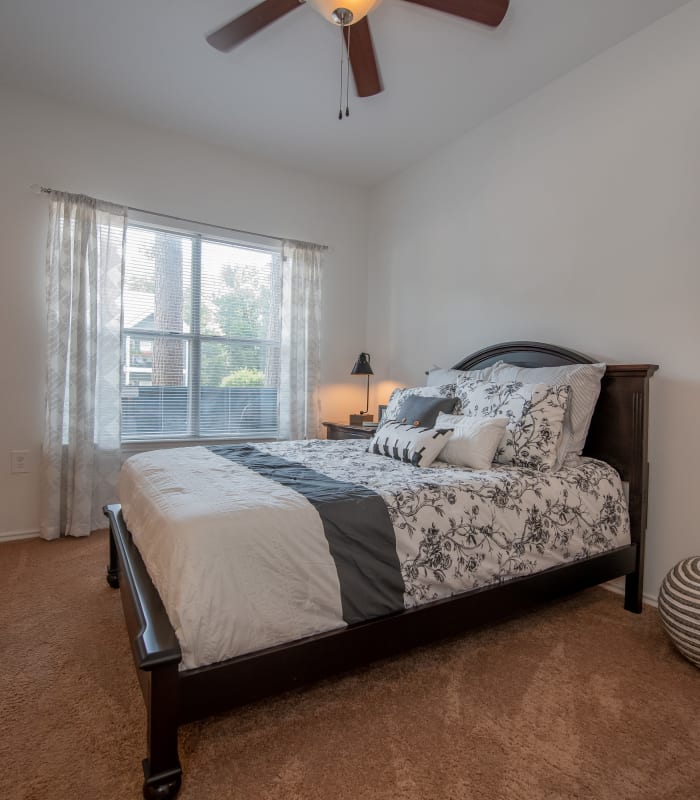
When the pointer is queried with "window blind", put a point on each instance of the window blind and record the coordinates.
(200, 336)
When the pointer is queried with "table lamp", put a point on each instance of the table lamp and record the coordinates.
(362, 367)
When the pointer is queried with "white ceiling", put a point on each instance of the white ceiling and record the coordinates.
(276, 96)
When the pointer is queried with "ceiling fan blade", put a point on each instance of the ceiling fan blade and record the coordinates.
(257, 18)
(488, 12)
(363, 59)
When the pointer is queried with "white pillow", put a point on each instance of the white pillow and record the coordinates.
(584, 380)
(535, 415)
(417, 446)
(440, 375)
(474, 439)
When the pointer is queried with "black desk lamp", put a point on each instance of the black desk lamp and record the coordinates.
(362, 367)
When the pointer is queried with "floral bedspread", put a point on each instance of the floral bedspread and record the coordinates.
(458, 529)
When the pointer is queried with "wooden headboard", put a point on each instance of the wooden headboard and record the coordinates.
(619, 429)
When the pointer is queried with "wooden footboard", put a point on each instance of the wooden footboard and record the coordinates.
(174, 697)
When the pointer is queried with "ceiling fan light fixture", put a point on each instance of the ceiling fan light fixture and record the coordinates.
(351, 17)
(343, 16)
(338, 14)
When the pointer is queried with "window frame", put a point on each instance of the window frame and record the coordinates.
(194, 338)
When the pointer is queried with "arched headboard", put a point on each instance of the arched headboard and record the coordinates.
(524, 354)
(619, 429)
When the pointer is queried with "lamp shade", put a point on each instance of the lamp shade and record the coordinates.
(362, 365)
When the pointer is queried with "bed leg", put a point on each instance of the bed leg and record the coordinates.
(633, 592)
(162, 771)
(113, 566)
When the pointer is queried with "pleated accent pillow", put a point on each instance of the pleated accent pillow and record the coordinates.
(408, 443)
(535, 414)
(584, 380)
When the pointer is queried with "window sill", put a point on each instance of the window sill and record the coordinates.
(142, 446)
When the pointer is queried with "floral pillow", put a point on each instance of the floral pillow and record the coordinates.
(535, 414)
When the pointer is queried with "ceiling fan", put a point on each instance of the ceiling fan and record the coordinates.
(351, 16)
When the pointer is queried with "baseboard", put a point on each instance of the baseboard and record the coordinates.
(619, 588)
(14, 536)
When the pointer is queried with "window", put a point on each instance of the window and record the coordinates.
(200, 335)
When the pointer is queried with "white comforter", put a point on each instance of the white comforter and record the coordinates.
(242, 562)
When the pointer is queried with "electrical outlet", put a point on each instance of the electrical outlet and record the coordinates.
(19, 461)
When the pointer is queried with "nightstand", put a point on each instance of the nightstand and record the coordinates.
(341, 430)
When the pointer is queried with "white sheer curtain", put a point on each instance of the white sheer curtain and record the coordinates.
(300, 375)
(81, 453)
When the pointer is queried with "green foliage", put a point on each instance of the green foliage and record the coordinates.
(240, 308)
(244, 377)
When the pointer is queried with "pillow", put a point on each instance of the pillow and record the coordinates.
(584, 380)
(474, 439)
(417, 446)
(438, 376)
(423, 411)
(399, 395)
(535, 414)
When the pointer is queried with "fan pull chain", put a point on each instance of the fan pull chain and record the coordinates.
(347, 77)
(342, 55)
(344, 22)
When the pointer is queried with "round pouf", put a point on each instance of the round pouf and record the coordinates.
(679, 607)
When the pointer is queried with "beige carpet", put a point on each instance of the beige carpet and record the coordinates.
(581, 700)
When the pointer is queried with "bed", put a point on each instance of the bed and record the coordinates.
(192, 673)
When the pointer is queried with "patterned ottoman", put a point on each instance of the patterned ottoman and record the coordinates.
(679, 607)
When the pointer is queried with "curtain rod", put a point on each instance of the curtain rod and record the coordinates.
(46, 190)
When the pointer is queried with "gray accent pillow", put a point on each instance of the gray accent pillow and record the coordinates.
(423, 411)
(399, 395)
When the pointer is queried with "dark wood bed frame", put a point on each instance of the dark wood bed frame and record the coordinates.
(618, 435)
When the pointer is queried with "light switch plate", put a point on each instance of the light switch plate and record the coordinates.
(19, 461)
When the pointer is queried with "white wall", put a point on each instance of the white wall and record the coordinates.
(573, 218)
(55, 145)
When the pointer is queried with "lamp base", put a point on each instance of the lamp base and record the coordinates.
(358, 419)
